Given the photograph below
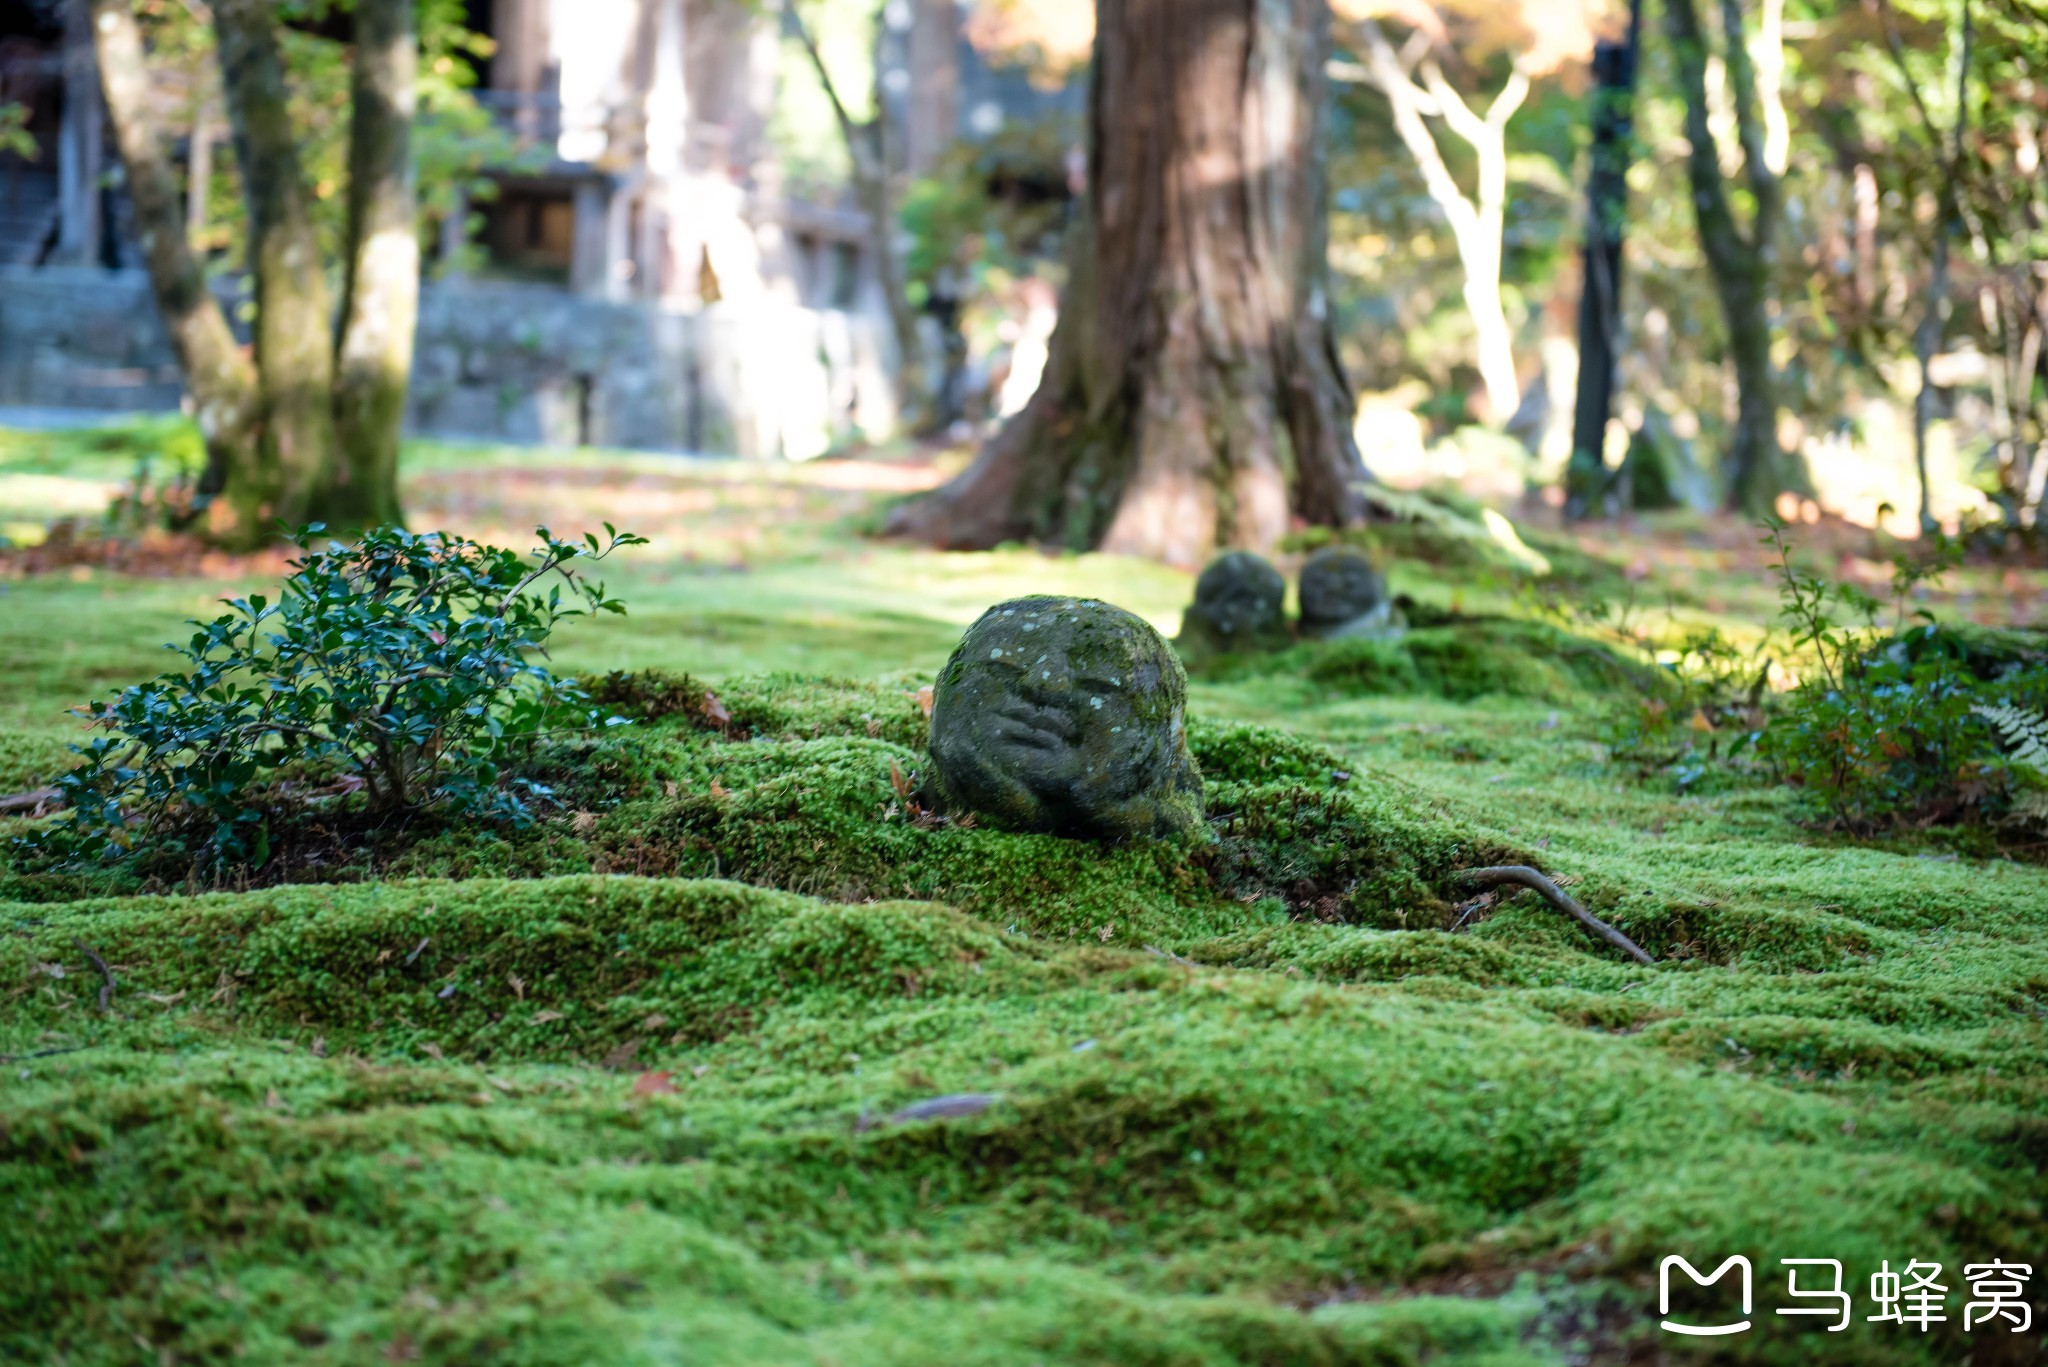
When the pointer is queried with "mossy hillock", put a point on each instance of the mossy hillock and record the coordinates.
(810, 788)
(658, 1111)
(1459, 658)
(542, 968)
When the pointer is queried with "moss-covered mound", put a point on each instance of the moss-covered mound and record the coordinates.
(1459, 658)
(611, 1119)
(791, 784)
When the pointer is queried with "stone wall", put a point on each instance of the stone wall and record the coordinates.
(517, 363)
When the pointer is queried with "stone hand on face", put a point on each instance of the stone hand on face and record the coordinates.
(1060, 713)
(1060, 720)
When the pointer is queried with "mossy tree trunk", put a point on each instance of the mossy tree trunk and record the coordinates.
(1193, 397)
(309, 431)
(219, 376)
(294, 311)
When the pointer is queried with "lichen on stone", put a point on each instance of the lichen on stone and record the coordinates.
(1066, 715)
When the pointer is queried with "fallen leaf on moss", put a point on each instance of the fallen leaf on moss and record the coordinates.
(654, 1084)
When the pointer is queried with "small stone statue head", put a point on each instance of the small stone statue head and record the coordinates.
(1342, 593)
(1066, 715)
(1239, 595)
(1237, 609)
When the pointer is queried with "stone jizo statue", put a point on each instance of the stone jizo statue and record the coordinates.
(1237, 608)
(1342, 594)
(1066, 715)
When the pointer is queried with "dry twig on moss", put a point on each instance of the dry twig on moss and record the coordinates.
(106, 972)
(1522, 875)
(43, 1053)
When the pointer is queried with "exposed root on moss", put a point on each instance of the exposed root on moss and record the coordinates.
(1521, 875)
(106, 973)
(35, 802)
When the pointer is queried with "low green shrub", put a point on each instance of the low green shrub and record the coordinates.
(1889, 730)
(402, 667)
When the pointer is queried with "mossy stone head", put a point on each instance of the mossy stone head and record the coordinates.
(1339, 586)
(1239, 596)
(1066, 715)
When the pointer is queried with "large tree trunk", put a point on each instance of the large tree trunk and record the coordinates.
(218, 375)
(381, 293)
(294, 314)
(1759, 467)
(1193, 397)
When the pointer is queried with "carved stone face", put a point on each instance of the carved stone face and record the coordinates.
(1066, 714)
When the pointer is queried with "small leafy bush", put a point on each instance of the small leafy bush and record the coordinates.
(402, 667)
(1705, 722)
(1888, 732)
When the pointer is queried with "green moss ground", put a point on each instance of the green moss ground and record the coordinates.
(1251, 1102)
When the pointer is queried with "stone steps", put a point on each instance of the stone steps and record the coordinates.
(28, 209)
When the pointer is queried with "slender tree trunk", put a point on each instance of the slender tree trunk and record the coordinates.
(1926, 343)
(238, 483)
(1927, 337)
(1614, 74)
(1476, 223)
(294, 314)
(1193, 397)
(877, 199)
(78, 149)
(1758, 467)
(380, 296)
(199, 172)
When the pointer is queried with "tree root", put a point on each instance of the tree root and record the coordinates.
(106, 972)
(1521, 875)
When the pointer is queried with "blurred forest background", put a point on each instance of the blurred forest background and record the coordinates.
(1833, 222)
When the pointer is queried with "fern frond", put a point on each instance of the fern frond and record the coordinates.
(2024, 733)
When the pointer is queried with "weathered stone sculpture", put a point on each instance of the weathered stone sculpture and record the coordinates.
(1343, 595)
(1066, 715)
(1237, 609)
